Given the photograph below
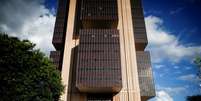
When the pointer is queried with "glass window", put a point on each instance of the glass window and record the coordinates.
(99, 97)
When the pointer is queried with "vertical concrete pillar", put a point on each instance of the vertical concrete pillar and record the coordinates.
(130, 90)
(69, 44)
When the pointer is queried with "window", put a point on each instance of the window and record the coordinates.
(99, 97)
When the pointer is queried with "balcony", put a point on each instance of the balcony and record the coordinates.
(55, 56)
(99, 14)
(99, 64)
(147, 89)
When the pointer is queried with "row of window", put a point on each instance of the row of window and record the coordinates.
(98, 69)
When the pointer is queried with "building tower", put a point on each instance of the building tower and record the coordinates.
(100, 51)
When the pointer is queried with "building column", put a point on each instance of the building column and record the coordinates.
(68, 45)
(130, 90)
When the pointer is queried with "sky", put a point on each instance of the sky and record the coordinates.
(173, 30)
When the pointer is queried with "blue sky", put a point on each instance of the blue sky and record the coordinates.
(179, 21)
(173, 30)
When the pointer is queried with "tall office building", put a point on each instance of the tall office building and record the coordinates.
(100, 51)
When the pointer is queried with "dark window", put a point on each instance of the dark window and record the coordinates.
(99, 97)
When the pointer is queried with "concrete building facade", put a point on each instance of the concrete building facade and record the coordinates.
(100, 51)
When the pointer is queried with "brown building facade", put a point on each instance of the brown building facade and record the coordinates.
(100, 51)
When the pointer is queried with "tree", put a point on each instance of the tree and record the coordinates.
(25, 73)
(197, 62)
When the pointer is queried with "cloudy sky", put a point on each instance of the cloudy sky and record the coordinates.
(173, 30)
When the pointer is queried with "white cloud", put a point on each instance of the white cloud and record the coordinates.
(163, 96)
(158, 66)
(178, 72)
(28, 19)
(40, 32)
(174, 90)
(189, 77)
(165, 46)
(176, 67)
(188, 68)
(175, 11)
(168, 93)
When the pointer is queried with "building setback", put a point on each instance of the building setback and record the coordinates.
(100, 51)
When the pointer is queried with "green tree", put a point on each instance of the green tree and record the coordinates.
(25, 73)
(197, 62)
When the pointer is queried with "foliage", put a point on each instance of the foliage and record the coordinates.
(25, 73)
(197, 61)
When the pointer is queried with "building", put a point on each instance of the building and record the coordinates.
(100, 51)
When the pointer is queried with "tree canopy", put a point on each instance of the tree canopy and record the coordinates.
(197, 62)
(26, 74)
